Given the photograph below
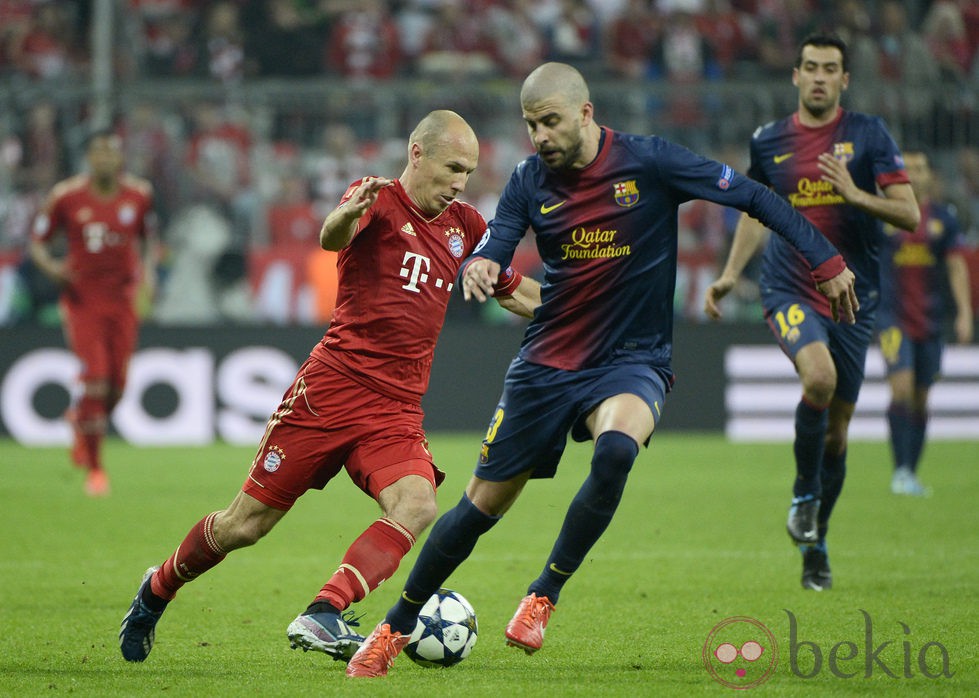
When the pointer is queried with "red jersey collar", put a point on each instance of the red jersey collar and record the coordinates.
(832, 124)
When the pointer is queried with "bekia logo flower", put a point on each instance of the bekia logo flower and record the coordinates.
(740, 653)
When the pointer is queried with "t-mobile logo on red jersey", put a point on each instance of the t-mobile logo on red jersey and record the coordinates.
(98, 236)
(415, 269)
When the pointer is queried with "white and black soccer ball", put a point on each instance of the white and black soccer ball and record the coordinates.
(446, 630)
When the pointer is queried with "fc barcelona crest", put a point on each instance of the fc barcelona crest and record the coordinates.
(843, 151)
(626, 193)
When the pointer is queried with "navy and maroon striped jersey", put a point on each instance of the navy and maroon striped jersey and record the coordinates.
(784, 156)
(607, 235)
(913, 272)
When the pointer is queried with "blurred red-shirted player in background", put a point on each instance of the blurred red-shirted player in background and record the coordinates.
(106, 216)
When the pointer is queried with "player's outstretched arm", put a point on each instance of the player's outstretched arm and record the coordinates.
(748, 238)
(524, 299)
(958, 282)
(341, 223)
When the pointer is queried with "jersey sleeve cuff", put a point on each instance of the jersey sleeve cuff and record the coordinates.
(829, 269)
(507, 282)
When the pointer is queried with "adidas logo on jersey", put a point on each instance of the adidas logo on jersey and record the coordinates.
(408, 228)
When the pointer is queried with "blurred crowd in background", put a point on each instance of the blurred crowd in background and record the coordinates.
(251, 117)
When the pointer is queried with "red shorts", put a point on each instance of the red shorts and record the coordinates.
(326, 422)
(103, 339)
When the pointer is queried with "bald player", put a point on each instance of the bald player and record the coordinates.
(595, 359)
(356, 402)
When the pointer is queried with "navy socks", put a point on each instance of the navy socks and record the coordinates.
(810, 435)
(590, 512)
(451, 540)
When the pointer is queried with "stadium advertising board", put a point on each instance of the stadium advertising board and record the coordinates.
(195, 386)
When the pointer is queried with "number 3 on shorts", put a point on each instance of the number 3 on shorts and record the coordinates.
(494, 425)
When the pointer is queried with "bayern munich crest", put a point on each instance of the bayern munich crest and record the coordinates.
(273, 459)
(456, 244)
(127, 214)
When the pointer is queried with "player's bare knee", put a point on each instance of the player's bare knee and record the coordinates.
(819, 386)
(96, 388)
(424, 515)
(416, 511)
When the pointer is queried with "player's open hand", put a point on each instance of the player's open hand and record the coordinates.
(715, 292)
(364, 196)
(836, 173)
(479, 279)
(842, 296)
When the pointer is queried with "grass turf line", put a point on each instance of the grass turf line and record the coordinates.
(699, 538)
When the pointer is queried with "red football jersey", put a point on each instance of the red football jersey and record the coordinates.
(103, 235)
(395, 280)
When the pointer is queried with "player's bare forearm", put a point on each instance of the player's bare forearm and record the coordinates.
(958, 282)
(338, 228)
(897, 206)
(524, 299)
(748, 237)
(52, 268)
(341, 224)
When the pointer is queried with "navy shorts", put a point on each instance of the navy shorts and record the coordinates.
(541, 405)
(796, 324)
(901, 353)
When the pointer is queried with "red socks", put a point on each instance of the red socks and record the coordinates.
(90, 422)
(371, 559)
(198, 553)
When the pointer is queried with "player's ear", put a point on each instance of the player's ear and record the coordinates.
(415, 153)
(587, 113)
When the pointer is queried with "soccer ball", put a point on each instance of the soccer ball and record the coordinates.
(446, 631)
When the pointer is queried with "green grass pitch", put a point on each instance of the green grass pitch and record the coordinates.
(699, 538)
